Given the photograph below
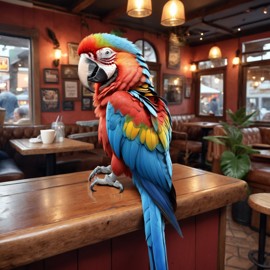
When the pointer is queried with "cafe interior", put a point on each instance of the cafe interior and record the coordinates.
(209, 60)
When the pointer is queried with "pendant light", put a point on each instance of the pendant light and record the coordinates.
(214, 53)
(139, 8)
(173, 13)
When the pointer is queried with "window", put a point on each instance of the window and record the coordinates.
(210, 85)
(14, 77)
(257, 89)
(17, 76)
(256, 78)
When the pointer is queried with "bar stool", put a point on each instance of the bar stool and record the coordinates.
(260, 202)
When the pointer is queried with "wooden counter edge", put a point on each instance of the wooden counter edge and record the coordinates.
(69, 235)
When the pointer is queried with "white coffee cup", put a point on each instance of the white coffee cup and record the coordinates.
(47, 136)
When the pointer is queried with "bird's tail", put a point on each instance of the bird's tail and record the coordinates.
(154, 232)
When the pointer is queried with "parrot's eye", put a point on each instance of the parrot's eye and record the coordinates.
(106, 56)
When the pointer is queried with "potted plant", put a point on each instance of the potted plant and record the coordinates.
(235, 160)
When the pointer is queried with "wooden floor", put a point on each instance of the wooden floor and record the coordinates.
(239, 240)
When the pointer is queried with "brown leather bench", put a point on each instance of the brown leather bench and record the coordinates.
(185, 140)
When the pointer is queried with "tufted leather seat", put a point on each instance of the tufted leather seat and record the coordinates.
(8, 169)
(185, 140)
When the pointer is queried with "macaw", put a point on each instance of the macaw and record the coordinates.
(135, 131)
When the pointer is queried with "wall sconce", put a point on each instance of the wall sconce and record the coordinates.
(57, 56)
(214, 53)
(193, 67)
(139, 8)
(173, 13)
(236, 59)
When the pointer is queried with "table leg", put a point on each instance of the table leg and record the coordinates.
(205, 132)
(50, 164)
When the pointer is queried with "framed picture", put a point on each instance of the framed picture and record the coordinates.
(188, 88)
(173, 52)
(87, 103)
(4, 64)
(68, 105)
(173, 87)
(87, 92)
(69, 72)
(50, 100)
(73, 57)
(51, 75)
(71, 89)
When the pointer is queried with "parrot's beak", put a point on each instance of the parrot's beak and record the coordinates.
(90, 71)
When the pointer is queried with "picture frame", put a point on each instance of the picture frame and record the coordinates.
(71, 89)
(50, 100)
(69, 72)
(4, 64)
(173, 88)
(188, 87)
(51, 75)
(73, 57)
(87, 103)
(174, 53)
(87, 92)
(68, 105)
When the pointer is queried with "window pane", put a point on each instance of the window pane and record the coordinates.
(258, 92)
(14, 78)
(211, 94)
(148, 51)
(212, 63)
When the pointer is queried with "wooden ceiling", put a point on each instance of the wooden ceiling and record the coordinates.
(207, 21)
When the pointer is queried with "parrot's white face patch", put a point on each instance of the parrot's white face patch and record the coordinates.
(83, 70)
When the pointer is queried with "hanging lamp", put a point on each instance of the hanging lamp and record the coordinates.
(214, 53)
(139, 8)
(173, 13)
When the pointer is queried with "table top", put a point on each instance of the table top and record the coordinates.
(24, 147)
(262, 153)
(202, 124)
(61, 213)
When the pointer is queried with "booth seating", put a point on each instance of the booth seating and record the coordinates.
(34, 166)
(186, 141)
(258, 177)
(8, 169)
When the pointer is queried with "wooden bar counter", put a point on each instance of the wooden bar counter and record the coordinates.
(58, 215)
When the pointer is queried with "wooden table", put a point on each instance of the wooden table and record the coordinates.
(46, 216)
(24, 147)
(205, 128)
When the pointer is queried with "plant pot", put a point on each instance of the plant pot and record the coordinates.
(241, 212)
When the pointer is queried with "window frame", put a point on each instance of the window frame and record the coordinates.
(197, 76)
(34, 93)
(243, 78)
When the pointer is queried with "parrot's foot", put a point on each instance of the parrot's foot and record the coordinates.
(108, 180)
(100, 169)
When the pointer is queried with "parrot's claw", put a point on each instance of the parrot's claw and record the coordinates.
(99, 169)
(108, 180)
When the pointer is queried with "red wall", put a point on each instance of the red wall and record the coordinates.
(68, 29)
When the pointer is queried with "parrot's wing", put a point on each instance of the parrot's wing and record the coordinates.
(143, 145)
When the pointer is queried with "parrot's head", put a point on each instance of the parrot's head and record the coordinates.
(111, 61)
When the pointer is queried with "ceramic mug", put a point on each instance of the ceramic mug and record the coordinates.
(47, 136)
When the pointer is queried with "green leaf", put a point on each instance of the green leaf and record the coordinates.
(236, 166)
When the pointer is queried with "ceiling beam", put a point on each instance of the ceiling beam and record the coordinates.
(114, 14)
(79, 6)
